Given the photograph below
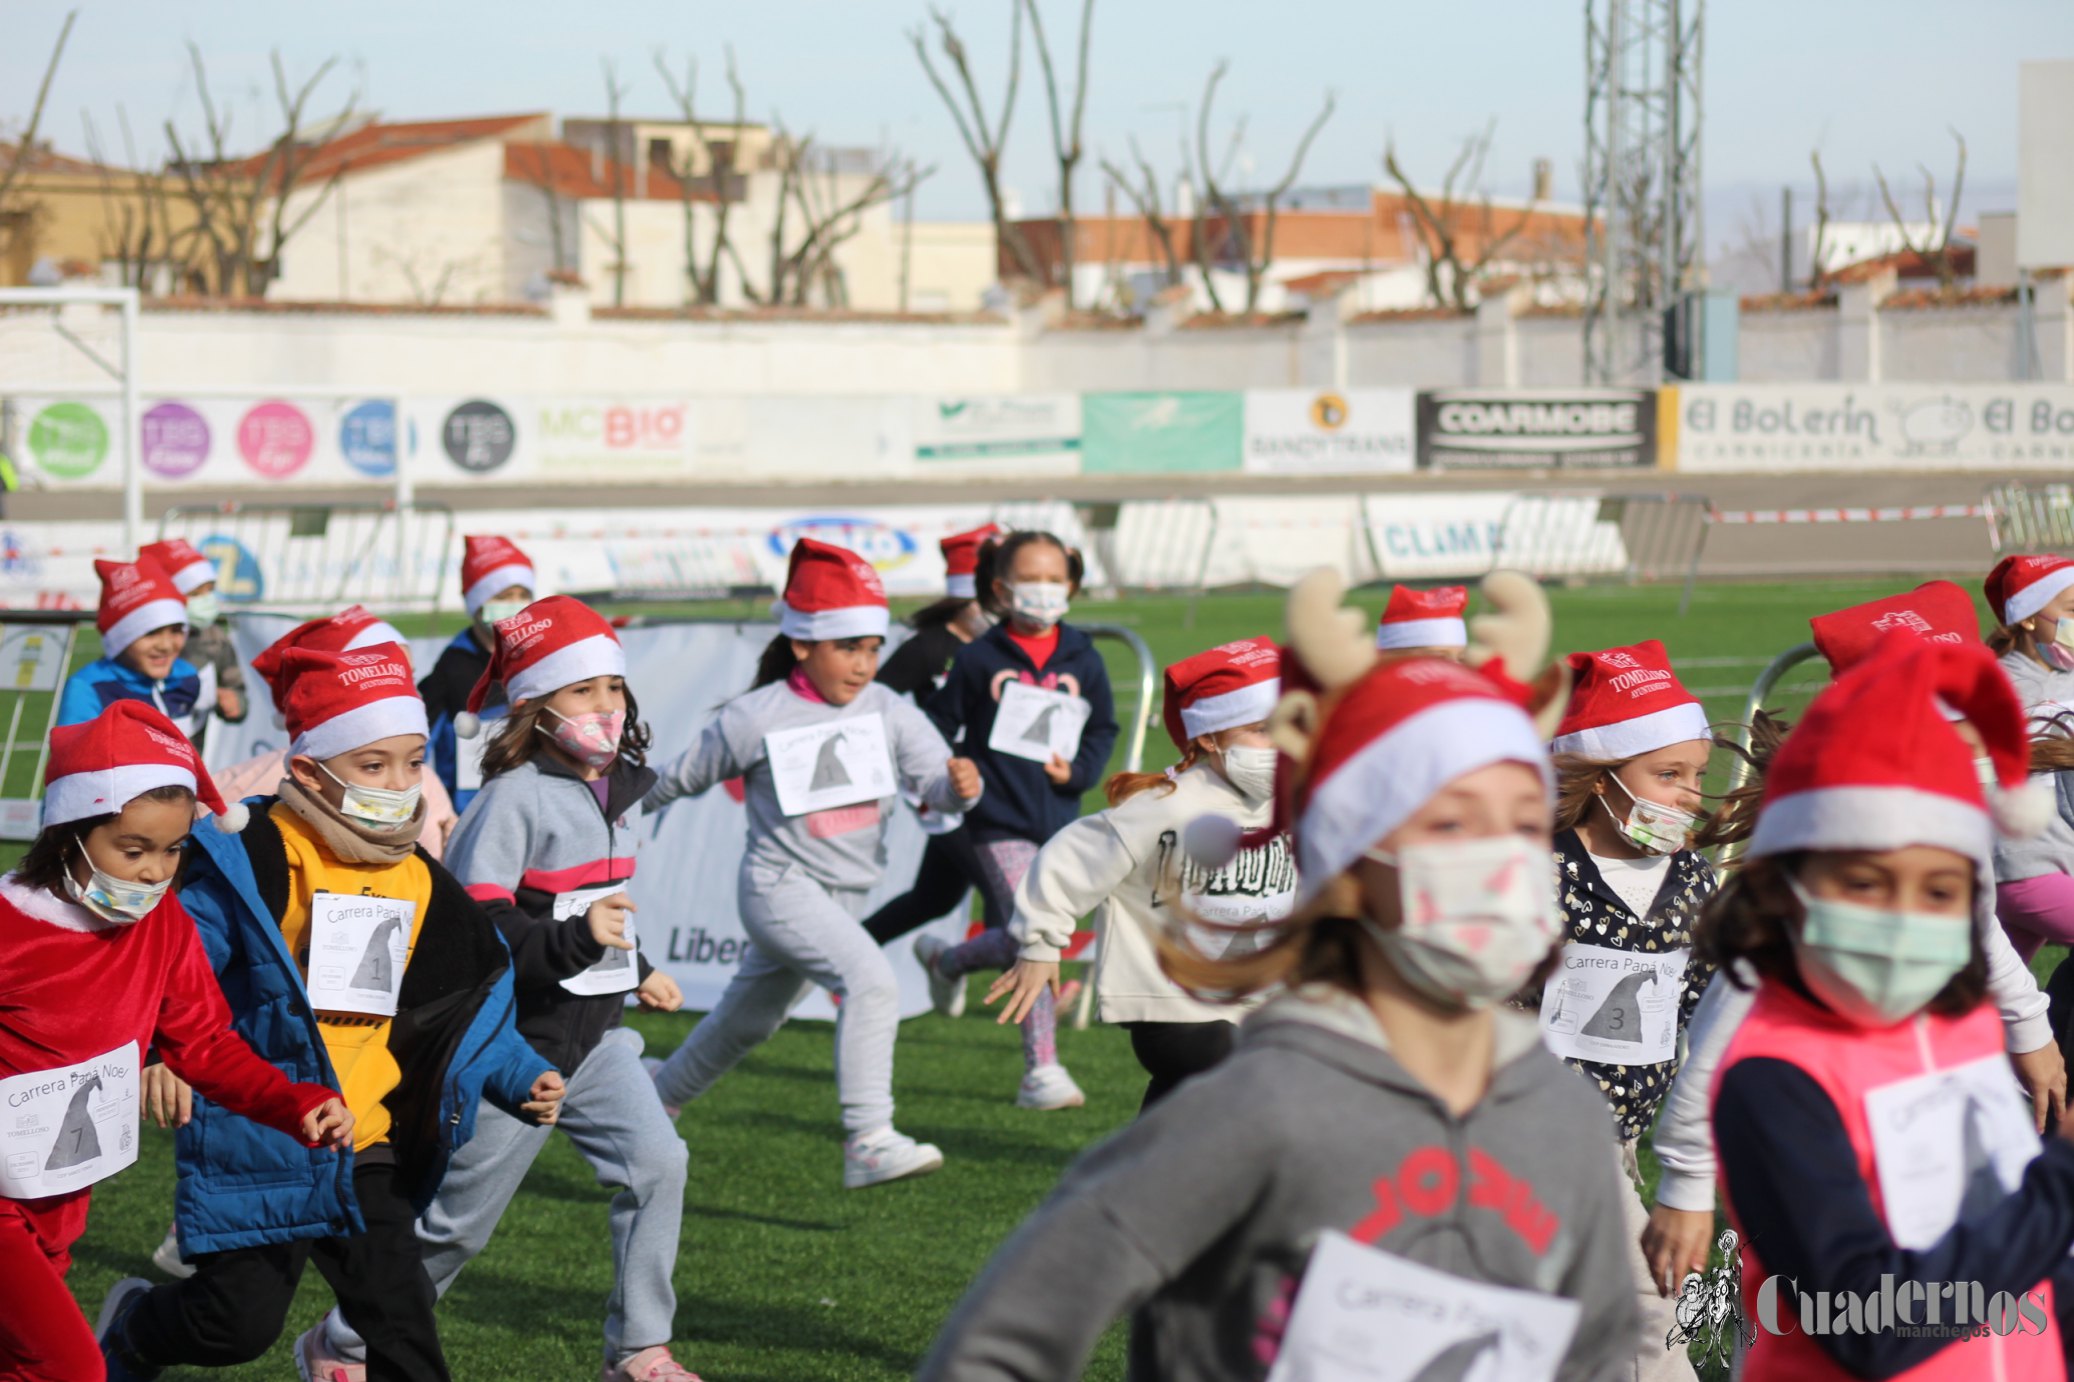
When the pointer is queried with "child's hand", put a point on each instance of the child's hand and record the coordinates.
(330, 1124)
(608, 921)
(1058, 770)
(964, 774)
(1024, 982)
(546, 1104)
(2043, 1074)
(168, 1101)
(1676, 1243)
(229, 704)
(659, 993)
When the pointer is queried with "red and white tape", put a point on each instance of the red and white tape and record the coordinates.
(1899, 515)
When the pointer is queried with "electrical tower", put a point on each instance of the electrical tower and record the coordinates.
(1644, 241)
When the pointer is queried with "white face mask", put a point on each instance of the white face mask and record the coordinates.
(1251, 771)
(378, 806)
(2059, 649)
(1651, 825)
(496, 611)
(111, 898)
(203, 610)
(1039, 603)
(1478, 916)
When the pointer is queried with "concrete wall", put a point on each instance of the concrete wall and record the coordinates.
(401, 233)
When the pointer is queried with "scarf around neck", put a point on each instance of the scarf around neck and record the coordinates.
(351, 841)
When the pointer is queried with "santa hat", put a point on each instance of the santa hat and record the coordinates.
(1235, 684)
(490, 565)
(961, 561)
(2019, 587)
(338, 702)
(1627, 702)
(1424, 618)
(549, 644)
(1938, 611)
(830, 592)
(351, 629)
(136, 597)
(101, 765)
(186, 567)
(1873, 765)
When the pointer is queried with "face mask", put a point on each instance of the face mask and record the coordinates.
(2058, 651)
(1251, 770)
(378, 806)
(497, 611)
(591, 738)
(203, 610)
(110, 898)
(1479, 915)
(1039, 603)
(1651, 825)
(1873, 966)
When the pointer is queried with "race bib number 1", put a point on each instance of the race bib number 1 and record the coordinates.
(358, 946)
(616, 971)
(64, 1129)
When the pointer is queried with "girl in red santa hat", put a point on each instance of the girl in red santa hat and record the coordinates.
(1388, 1129)
(824, 752)
(1873, 1145)
(103, 964)
(497, 581)
(208, 637)
(2032, 601)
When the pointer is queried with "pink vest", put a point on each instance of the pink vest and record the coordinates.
(1849, 1062)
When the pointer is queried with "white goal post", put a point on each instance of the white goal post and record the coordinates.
(23, 369)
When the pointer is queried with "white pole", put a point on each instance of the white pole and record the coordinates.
(132, 425)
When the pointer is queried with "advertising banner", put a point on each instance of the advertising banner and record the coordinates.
(1875, 427)
(72, 443)
(1345, 432)
(1140, 433)
(1537, 429)
(1000, 434)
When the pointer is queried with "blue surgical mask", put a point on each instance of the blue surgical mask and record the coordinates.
(203, 609)
(1873, 965)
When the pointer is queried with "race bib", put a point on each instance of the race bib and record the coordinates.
(358, 946)
(616, 972)
(835, 763)
(1364, 1315)
(1034, 723)
(1948, 1146)
(1617, 1007)
(1223, 940)
(64, 1129)
(468, 754)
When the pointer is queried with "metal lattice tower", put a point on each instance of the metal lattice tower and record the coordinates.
(1644, 241)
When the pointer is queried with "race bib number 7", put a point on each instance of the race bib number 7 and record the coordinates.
(64, 1129)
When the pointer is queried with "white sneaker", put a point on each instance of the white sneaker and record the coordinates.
(946, 995)
(166, 1256)
(654, 1067)
(1049, 1087)
(873, 1158)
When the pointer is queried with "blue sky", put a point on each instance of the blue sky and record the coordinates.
(1865, 79)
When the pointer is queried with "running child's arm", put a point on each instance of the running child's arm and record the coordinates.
(711, 760)
(2026, 1019)
(488, 855)
(1075, 871)
(923, 758)
(1684, 1145)
(946, 706)
(1097, 738)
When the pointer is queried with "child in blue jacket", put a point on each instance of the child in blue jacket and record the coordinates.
(143, 624)
(496, 582)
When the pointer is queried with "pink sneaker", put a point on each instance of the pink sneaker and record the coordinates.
(649, 1365)
(315, 1362)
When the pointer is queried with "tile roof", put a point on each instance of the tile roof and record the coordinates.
(572, 171)
(376, 143)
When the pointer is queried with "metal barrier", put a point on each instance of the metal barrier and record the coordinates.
(2026, 519)
(36, 649)
(1760, 691)
(1583, 535)
(392, 557)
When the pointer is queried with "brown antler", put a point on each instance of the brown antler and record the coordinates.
(1515, 630)
(1329, 639)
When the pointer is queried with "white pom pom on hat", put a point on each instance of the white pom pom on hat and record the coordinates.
(2023, 812)
(233, 818)
(468, 724)
(1212, 841)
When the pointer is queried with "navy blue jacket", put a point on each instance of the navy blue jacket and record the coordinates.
(242, 1185)
(445, 693)
(1020, 801)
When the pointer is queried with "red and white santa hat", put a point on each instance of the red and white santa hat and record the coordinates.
(186, 567)
(2019, 587)
(1424, 618)
(136, 597)
(1626, 702)
(1874, 765)
(1937, 611)
(831, 592)
(961, 561)
(549, 644)
(337, 702)
(351, 629)
(1228, 686)
(101, 765)
(490, 565)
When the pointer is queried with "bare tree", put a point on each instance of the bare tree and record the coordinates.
(1254, 254)
(820, 206)
(615, 168)
(1065, 134)
(1936, 247)
(137, 228)
(1818, 270)
(17, 221)
(984, 138)
(1141, 186)
(1461, 218)
(719, 160)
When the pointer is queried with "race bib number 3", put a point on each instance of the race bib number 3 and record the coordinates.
(64, 1129)
(1617, 1007)
(358, 946)
(616, 972)
(835, 763)
(1034, 723)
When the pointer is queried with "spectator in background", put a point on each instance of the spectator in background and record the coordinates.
(496, 582)
(208, 637)
(143, 624)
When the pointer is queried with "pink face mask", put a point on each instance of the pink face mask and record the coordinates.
(592, 738)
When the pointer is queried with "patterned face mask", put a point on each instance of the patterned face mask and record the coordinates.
(591, 738)
(1651, 825)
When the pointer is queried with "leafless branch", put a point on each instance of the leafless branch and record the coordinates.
(1463, 217)
(16, 220)
(1065, 133)
(984, 139)
(1935, 248)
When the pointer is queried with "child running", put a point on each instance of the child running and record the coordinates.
(1386, 1131)
(143, 624)
(1871, 1139)
(548, 848)
(497, 582)
(208, 637)
(347, 955)
(1127, 867)
(824, 751)
(103, 964)
(1016, 694)
(2032, 602)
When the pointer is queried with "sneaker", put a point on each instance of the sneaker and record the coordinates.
(1049, 1087)
(166, 1256)
(122, 1365)
(876, 1157)
(946, 995)
(654, 1067)
(649, 1365)
(315, 1360)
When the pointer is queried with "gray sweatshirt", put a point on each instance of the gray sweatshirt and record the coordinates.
(2045, 694)
(841, 848)
(1205, 1210)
